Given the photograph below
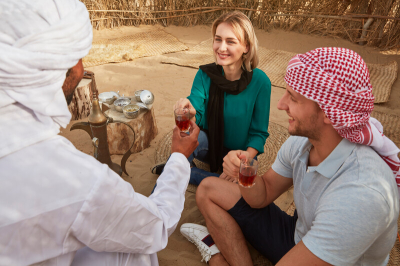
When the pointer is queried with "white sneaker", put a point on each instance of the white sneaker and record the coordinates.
(198, 235)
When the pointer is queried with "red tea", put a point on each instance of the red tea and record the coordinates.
(182, 123)
(246, 177)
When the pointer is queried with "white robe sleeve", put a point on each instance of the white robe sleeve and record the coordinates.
(114, 218)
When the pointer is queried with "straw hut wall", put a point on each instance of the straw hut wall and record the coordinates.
(367, 22)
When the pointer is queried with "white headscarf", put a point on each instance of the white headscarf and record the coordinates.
(39, 41)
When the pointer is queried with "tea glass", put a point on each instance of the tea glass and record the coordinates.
(247, 172)
(182, 119)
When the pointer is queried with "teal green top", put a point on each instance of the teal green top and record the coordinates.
(246, 115)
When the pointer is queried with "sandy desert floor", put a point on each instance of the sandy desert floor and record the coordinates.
(170, 82)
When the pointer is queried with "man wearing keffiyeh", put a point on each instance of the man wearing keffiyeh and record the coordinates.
(344, 170)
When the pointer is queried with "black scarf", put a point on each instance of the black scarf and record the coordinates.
(215, 109)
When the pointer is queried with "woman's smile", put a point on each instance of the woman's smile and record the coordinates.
(223, 56)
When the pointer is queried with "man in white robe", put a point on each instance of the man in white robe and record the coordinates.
(59, 206)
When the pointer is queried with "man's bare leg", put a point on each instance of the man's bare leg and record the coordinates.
(214, 198)
(218, 260)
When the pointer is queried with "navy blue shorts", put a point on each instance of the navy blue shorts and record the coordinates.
(269, 230)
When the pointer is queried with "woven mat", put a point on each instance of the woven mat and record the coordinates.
(274, 63)
(391, 125)
(277, 136)
(127, 48)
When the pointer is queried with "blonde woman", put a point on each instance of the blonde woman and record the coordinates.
(230, 99)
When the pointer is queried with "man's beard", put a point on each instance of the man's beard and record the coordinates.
(70, 85)
(69, 97)
(312, 132)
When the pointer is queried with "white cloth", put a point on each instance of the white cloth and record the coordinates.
(55, 200)
(88, 257)
(39, 41)
(373, 136)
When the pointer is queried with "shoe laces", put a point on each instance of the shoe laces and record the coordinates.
(205, 253)
(204, 250)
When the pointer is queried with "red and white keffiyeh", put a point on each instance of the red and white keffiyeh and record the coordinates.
(338, 80)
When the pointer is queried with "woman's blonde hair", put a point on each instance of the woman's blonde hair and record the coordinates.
(244, 31)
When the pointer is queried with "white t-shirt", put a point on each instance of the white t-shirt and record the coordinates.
(347, 206)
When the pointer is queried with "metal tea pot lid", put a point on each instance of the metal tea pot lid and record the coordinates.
(104, 96)
(146, 97)
(142, 105)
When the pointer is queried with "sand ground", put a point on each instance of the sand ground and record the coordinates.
(170, 82)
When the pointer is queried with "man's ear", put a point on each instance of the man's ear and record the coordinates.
(326, 119)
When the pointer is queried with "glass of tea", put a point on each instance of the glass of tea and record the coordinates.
(247, 172)
(182, 117)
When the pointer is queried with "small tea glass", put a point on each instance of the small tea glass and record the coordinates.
(182, 119)
(247, 172)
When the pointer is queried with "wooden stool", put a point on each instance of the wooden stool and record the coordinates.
(120, 136)
(81, 102)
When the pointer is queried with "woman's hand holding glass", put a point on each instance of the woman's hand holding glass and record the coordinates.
(184, 102)
(231, 165)
(228, 178)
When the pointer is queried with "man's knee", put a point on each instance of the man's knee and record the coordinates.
(213, 190)
(204, 190)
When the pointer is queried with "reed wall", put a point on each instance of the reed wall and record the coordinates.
(367, 22)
